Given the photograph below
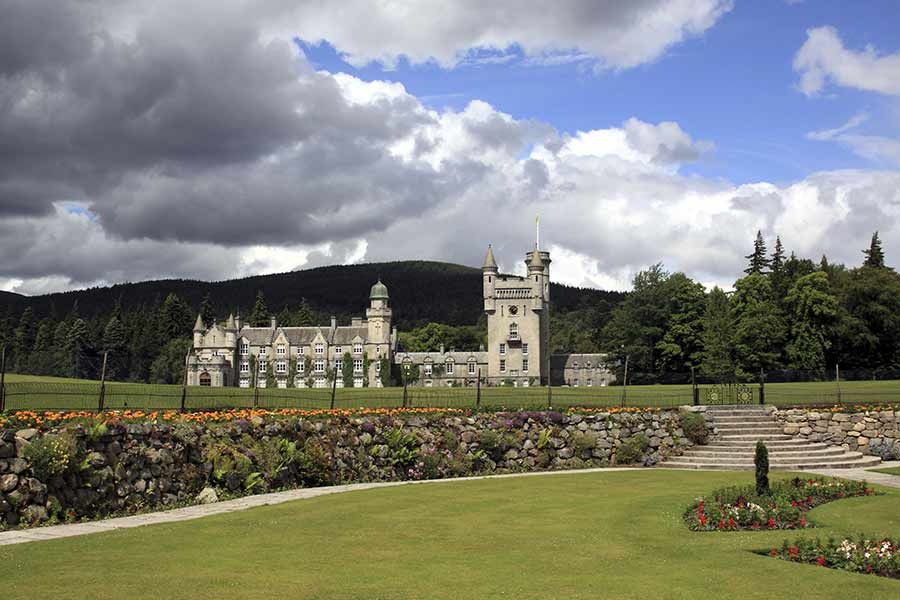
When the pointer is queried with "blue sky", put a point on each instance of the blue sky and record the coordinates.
(734, 85)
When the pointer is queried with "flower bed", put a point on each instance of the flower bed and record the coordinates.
(861, 555)
(741, 508)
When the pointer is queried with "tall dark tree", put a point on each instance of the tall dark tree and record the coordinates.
(875, 254)
(206, 310)
(758, 260)
(114, 343)
(777, 261)
(760, 328)
(77, 350)
(681, 346)
(175, 318)
(717, 358)
(305, 316)
(813, 311)
(259, 316)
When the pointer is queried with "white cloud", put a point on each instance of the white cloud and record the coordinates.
(876, 148)
(823, 58)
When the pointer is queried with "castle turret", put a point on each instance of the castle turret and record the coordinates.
(489, 275)
(378, 315)
(230, 331)
(536, 278)
(199, 328)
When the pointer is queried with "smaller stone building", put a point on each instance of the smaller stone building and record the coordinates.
(445, 368)
(581, 370)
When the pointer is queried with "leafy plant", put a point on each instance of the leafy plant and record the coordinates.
(632, 450)
(583, 442)
(761, 460)
(403, 447)
(50, 456)
(544, 438)
(694, 426)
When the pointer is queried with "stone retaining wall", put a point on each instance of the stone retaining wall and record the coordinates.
(126, 468)
(867, 432)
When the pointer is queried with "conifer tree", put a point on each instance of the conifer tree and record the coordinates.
(777, 256)
(717, 358)
(875, 254)
(206, 310)
(174, 319)
(259, 316)
(758, 260)
(76, 349)
(114, 339)
(305, 317)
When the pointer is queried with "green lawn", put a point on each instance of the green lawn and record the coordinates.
(28, 392)
(889, 471)
(598, 535)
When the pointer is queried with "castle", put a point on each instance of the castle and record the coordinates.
(518, 350)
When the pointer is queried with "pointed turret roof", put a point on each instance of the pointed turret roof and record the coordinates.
(229, 324)
(536, 262)
(489, 262)
(198, 326)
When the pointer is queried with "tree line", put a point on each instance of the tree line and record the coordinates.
(785, 313)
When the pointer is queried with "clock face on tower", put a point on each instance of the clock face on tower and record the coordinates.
(513, 309)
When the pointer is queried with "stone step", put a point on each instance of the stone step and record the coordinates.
(766, 437)
(751, 442)
(803, 451)
(715, 447)
(743, 419)
(865, 462)
(773, 461)
(751, 429)
(731, 411)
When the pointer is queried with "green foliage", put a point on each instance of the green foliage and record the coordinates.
(207, 312)
(761, 461)
(760, 328)
(717, 357)
(432, 335)
(270, 374)
(813, 312)
(494, 443)
(385, 373)
(694, 426)
(403, 447)
(169, 366)
(758, 260)
(292, 372)
(50, 456)
(544, 438)
(583, 442)
(259, 316)
(632, 449)
(347, 369)
(874, 254)
(681, 345)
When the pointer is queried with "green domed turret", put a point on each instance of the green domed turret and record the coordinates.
(379, 291)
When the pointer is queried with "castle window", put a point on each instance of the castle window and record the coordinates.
(320, 366)
(205, 379)
(472, 367)
(378, 367)
(262, 366)
(358, 365)
(525, 348)
(513, 330)
(525, 365)
(245, 383)
(502, 365)
(450, 367)
(262, 351)
(358, 382)
(575, 365)
(502, 348)
(320, 382)
(280, 349)
(301, 350)
(428, 369)
(576, 382)
(281, 367)
(338, 351)
(320, 349)
(245, 367)
(245, 348)
(339, 362)
(589, 383)
(357, 348)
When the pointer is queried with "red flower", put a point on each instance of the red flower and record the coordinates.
(703, 520)
(794, 552)
(771, 523)
(754, 526)
(794, 503)
(774, 552)
(802, 521)
(821, 561)
(731, 523)
(721, 523)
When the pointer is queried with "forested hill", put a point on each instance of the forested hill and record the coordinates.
(421, 291)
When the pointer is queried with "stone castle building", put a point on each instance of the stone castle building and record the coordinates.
(517, 353)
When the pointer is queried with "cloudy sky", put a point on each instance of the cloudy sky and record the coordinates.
(218, 139)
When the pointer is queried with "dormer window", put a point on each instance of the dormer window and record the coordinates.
(280, 350)
(450, 367)
(320, 349)
(357, 348)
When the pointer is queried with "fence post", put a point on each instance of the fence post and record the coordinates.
(837, 380)
(695, 392)
(103, 382)
(184, 384)
(3, 379)
(405, 398)
(625, 381)
(762, 387)
(256, 387)
(478, 390)
(333, 384)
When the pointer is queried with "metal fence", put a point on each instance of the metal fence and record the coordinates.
(29, 395)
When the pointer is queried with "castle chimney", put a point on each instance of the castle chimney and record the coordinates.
(333, 322)
(237, 322)
(274, 323)
(442, 348)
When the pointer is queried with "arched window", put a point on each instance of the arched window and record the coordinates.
(205, 379)
(513, 330)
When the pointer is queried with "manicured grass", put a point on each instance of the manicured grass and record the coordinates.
(598, 535)
(28, 392)
(889, 470)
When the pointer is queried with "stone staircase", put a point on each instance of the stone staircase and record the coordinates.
(737, 428)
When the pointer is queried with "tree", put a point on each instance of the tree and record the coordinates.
(76, 349)
(871, 297)
(760, 329)
(23, 340)
(758, 261)
(259, 316)
(875, 254)
(717, 357)
(761, 462)
(385, 374)
(206, 310)
(813, 311)
(175, 319)
(777, 261)
(347, 369)
(169, 366)
(305, 316)
(114, 341)
(681, 345)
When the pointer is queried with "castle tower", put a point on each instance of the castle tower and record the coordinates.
(378, 315)
(199, 329)
(518, 311)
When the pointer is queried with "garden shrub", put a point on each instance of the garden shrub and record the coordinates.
(50, 456)
(632, 450)
(494, 443)
(694, 426)
(761, 460)
(878, 556)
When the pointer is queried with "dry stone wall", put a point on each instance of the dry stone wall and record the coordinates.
(81, 473)
(872, 432)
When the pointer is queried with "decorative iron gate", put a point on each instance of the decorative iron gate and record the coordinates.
(728, 393)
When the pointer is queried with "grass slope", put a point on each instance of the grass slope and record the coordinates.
(889, 470)
(599, 535)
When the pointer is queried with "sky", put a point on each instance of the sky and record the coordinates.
(211, 140)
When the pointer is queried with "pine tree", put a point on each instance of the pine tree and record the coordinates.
(758, 260)
(259, 316)
(114, 339)
(76, 349)
(304, 317)
(777, 256)
(875, 254)
(206, 310)
(23, 340)
(717, 358)
(174, 319)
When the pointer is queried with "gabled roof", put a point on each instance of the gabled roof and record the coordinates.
(303, 336)
(257, 336)
(346, 334)
(437, 357)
